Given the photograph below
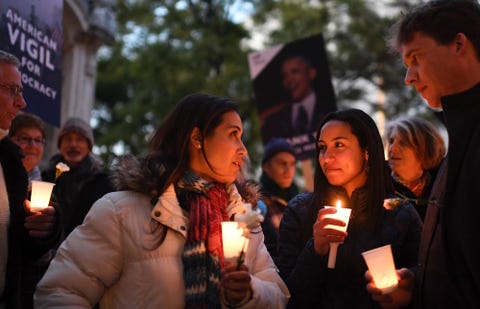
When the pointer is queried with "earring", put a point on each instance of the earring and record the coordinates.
(199, 146)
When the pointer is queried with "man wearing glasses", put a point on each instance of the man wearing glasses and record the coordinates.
(24, 236)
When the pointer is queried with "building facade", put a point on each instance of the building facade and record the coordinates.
(87, 25)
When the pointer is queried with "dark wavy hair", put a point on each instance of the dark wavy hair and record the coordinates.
(440, 19)
(378, 183)
(168, 155)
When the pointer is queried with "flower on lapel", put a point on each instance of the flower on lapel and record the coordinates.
(392, 203)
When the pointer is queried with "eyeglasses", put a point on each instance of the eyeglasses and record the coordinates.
(23, 140)
(13, 89)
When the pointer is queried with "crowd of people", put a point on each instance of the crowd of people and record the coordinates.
(147, 233)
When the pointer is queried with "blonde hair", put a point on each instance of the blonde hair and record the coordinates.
(422, 137)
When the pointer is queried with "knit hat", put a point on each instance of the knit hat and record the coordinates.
(76, 125)
(276, 145)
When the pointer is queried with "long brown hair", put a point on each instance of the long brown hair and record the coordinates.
(378, 183)
(168, 156)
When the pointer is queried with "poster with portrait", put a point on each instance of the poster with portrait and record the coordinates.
(32, 31)
(293, 91)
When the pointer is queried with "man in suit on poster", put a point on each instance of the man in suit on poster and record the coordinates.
(303, 111)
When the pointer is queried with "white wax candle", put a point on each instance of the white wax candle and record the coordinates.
(233, 240)
(342, 214)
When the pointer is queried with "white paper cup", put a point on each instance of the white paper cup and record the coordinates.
(41, 192)
(381, 266)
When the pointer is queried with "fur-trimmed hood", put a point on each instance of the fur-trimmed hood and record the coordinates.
(131, 173)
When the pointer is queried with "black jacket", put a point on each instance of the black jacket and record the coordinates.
(77, 190)
(420, 203)
(22, 248)
(460, 208)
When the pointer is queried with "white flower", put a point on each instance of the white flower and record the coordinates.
(250, 219)
(60, 168)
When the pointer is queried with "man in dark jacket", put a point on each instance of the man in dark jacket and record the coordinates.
(440, 46)
(24, 236)
(277, 188)
(85, 182)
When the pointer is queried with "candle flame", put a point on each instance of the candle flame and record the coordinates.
(339, 204)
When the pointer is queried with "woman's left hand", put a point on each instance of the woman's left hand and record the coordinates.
(235, 283)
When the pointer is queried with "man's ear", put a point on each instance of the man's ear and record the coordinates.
(196, 138)
(460, 42)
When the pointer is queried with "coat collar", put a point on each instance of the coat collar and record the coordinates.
(168, 212)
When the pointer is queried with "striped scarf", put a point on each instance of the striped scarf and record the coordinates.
(203, 251)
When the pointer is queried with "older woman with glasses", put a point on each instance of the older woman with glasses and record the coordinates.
(28, 132)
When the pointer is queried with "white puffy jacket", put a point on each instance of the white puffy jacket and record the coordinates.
(114, 258)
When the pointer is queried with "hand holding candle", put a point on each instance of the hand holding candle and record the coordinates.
(41, 224)
(382, 268)
(234, 241)
(342, 214)
(235, 233)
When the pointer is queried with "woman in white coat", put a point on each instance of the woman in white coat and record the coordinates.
(157, 243)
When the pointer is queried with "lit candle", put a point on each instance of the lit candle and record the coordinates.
(234, 241)
(41, 192)
(381, 266)
(342, 214)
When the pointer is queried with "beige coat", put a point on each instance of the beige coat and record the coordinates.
(113, 258)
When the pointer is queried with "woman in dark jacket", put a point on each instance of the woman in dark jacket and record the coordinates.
(350, 168)
(415, 151)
